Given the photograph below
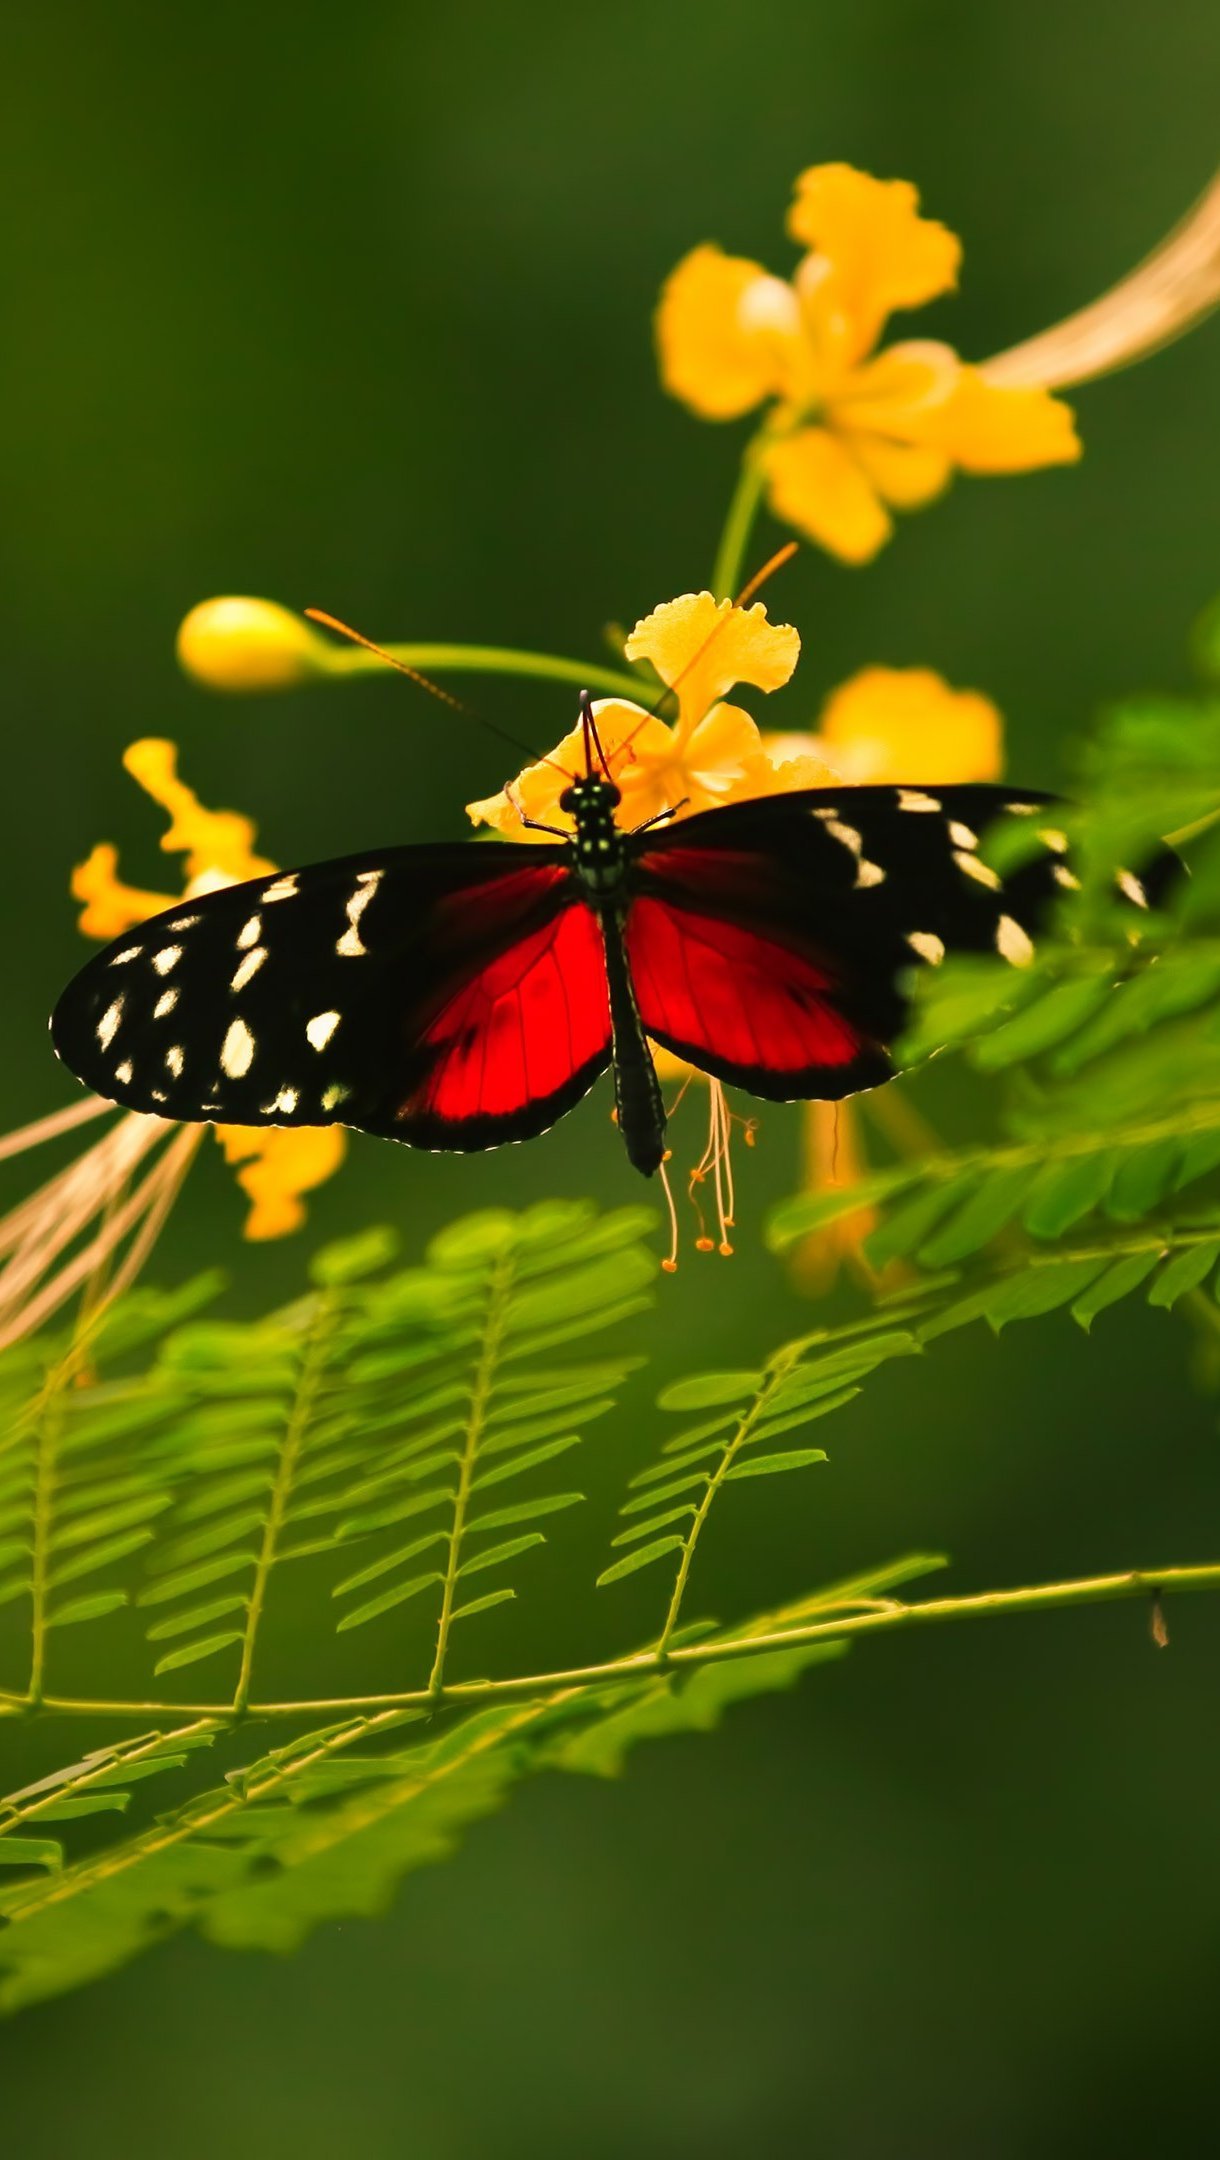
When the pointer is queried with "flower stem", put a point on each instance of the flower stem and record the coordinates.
(738, 525)
(488, 660)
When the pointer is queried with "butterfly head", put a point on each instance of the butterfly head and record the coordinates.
(598, 843)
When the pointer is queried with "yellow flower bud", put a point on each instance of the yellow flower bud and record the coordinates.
(237, 644)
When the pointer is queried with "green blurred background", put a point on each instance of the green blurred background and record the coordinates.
(351, 307)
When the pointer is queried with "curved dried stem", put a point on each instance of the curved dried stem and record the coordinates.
(1172, 290)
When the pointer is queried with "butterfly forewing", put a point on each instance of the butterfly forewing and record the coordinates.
(439, 995)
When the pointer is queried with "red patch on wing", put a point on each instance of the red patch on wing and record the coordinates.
(522, 1027)
(706, 985)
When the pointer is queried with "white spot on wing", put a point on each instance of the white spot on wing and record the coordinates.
(167, 958)
(971, 866)
(249, 934)
(846, 835)
(1012, 943)
(124, 1073)
(333, 1095)
(962, 835)
(248, 967)
(1065, 877)
(283, 889)
(175, 1059)
(129, 952)
(1022, 809)
(1051, 837)
(927, 945)
(286, 1100)
(107, 1027)
(351, 945)
(870, 873)
(184, 922)
(319, 1030)
(165, 1004)
(910, 798)
(237, 1050)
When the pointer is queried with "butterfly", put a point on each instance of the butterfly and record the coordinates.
(459, 996)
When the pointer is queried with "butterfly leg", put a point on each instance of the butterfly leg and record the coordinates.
(532, 824)
(662, 818)
(637, 1091)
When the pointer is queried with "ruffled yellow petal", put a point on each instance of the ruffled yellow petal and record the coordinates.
(794, 762)
(988, 429)
(218, 844)
(279, 1164)
(884, 254)
(909, 724)
(816, 484)
(725, 333)
(700, 647)
(110, 906)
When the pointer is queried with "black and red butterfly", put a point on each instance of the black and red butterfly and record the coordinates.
(458, 996)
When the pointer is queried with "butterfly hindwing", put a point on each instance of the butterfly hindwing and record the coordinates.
(449, 996)
(771, 942)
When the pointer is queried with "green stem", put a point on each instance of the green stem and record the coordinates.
(738, 525)
(733, 1447)
(489, 660)
(313, 1359)
(889, 1614)
(476, 1418)
(40, 1569)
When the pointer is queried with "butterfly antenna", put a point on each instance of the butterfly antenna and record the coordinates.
(592, 738)
(773, 563)
(424, 682)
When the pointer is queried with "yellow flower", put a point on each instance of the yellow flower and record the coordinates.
(852, 433)
(713, 752)
(897, 725)
(279, 1163)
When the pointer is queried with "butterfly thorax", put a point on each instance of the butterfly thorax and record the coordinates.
(599, 854)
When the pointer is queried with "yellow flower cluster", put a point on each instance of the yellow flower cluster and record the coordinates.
(851, 434)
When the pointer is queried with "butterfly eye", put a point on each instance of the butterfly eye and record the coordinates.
(567, 800)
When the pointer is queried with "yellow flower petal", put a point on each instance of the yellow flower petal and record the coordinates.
(906, 475)
(725, 331)
(909, 724)
(884, 254)
(816, 484)
(280, 1163)
(717, 760)
(701, 647)
(238, 644)
(110, 906)
(215, 842)
(988, 429)
(902, 395)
